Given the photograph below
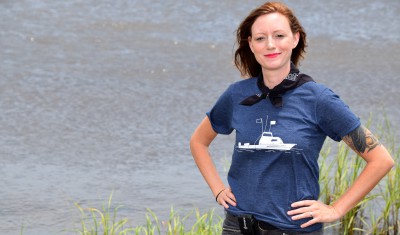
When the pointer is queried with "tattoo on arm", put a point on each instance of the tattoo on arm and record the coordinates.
(361, 140)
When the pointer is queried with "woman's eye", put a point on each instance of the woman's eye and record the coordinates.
(259, 38)
(280, 36)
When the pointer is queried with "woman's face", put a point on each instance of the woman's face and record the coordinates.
(272, 41)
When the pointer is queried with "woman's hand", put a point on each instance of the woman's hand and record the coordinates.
(226, 198)
(316, 211)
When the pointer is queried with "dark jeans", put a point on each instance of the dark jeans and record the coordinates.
(231, 227)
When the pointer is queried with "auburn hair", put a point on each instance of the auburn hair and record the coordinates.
(244, 58)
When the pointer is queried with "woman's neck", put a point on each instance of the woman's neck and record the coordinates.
(273, 78)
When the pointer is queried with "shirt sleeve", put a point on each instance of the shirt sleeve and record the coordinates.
(221, 113)
(335, 117)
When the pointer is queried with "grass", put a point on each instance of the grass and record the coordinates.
(105, 222)
(95, 221)
(378, 213)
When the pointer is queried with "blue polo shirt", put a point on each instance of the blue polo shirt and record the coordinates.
(266, 179)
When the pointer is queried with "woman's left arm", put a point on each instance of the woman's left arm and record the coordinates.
(379, 162)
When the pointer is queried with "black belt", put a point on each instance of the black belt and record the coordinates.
(250, 226)
(247, 220)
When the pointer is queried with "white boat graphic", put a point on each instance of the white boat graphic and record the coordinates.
(267, 141)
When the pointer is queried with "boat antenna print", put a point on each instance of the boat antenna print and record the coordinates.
(266, 140)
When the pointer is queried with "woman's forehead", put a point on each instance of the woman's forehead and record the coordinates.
(270, 22)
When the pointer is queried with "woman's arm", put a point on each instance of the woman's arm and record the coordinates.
(379, 163)
(199, 145)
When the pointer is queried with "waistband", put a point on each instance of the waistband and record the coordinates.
(261, 227)
(260, 224)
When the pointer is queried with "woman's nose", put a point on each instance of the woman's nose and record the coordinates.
(270, 43)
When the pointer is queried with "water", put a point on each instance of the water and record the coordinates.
(102, 96)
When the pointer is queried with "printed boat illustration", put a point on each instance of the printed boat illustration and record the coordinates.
(267, 141)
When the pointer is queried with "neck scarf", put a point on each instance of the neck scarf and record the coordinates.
(293, 80)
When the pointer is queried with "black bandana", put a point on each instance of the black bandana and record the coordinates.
(293, 80)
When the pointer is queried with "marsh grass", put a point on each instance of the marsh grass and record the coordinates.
(104, 221)
(201, 223)
(378, 213)
(343, 169)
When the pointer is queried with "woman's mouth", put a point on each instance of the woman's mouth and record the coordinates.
(271, 56)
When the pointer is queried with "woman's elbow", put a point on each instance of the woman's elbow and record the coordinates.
(192, 142)
(386, 160)
(389, 163)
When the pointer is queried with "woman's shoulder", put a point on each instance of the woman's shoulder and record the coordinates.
(316, 91)
(316, 88)
(322, 94)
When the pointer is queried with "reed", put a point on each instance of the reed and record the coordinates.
(368, 217)
(344, 170)
(95, 221)
(205, 223)
(388, 221)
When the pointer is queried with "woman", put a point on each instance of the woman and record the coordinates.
(281, 118)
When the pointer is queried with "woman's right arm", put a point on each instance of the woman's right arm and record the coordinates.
(199, 145)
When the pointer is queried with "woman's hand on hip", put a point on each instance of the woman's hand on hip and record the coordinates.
(226, 198)
(316, 211)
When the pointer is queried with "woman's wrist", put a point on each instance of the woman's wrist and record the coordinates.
(216, 197)
(338, 212)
